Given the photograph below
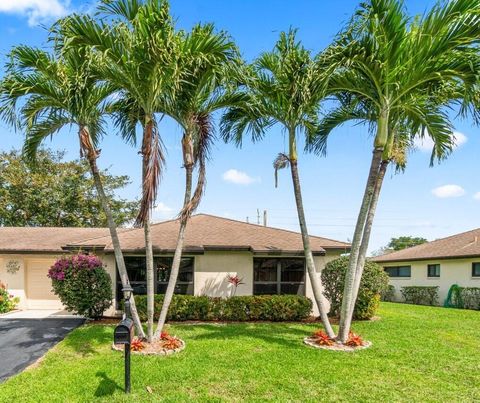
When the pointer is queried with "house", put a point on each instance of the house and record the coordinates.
(269, 260)
(442, 263)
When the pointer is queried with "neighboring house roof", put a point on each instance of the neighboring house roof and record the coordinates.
(466, 244)
(204, 232)
(44, 239)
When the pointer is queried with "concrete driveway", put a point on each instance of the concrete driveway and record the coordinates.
(24, 341)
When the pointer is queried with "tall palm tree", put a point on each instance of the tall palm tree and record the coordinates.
(283, 86)
(401, 75)
(135, 47)
(203, 62)
(58, 91)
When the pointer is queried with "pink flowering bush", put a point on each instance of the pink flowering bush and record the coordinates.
(82, 284)
(8, 302)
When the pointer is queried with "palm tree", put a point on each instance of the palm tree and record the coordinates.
(284, 86)
(203, 63)
(57, 91)
(136, 51)
(400, 75)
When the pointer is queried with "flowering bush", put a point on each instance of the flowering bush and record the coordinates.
(7, 301)
(82, 284)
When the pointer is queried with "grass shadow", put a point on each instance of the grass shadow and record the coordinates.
(107, 386)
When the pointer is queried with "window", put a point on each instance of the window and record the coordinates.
(398, 271)
(475, 269)
(433, 270)
(137, 273)
(278, 276)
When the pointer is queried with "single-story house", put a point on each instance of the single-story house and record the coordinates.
(442, 263)
(269, 260)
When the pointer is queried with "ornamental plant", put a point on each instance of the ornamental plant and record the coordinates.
(234, 280)
(8, 302)
(82, 284)
(322, 338)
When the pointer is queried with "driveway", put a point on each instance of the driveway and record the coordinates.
(24, 341)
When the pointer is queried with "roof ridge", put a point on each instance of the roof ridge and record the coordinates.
(263, 226)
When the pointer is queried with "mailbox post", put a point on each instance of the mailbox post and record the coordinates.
(123, 334)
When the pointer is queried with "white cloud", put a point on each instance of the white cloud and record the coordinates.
(426, 144)
(35, 10)
(163, 209)
(447, 191)
(476, 196)
(238, 177)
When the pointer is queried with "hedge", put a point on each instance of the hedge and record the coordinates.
(388, 294)
(463, 297)
(419, 295)
(274, 308)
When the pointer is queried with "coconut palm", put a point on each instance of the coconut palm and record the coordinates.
(203, 64)
(57, 91)
(134, 45)
(283, 86)
(401, 75)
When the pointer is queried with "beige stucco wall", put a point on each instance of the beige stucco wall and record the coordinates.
(452, 271)
(212, 268)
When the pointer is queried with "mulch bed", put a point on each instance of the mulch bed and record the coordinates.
(310, 341)
(155, 348)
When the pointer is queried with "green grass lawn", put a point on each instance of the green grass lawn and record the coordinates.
(418, 354)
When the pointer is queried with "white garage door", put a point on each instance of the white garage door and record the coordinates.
(39, 286)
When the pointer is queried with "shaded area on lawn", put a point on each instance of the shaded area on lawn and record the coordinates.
(418, 354)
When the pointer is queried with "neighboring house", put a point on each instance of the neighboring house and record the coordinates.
(269, 260)
(442, 263)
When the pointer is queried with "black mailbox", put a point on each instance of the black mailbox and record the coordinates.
(123, 333)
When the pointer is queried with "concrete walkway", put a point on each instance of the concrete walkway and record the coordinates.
(24, 341)
(38, 314)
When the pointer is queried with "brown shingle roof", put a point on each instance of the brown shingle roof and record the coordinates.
(44, 239)
(207, 232)
(466, 244)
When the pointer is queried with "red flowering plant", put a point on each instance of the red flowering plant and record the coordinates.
(8, 302)
(322, 338)
(354, 340)
(234, 280)
(82, 284)
(169, 342)
(137, 344)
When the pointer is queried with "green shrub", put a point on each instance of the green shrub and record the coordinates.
(374, 282)
(7, 301)
(463, 297)
(389, 294)
(82, 284)
(420, 295)
(238, 308)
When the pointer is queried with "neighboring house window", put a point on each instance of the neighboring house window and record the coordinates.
(137, 274)
(475, 269)
(278, 276)
(398, 271)
(433, 270)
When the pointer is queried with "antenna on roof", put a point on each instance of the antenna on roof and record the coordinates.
(264, 218)
(258, 216)
(248, 222)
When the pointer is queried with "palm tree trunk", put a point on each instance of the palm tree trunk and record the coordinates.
(91, 155)
(310, 263)
(347, 300)
(184, 217)
(366, 233)
(150, 279)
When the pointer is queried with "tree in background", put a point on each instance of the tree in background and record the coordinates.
(57, 193)
(402, 242)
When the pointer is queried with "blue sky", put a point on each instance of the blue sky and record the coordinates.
(429, 202)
